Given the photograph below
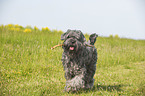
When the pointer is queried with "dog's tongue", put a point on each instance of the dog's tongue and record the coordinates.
(71, 48)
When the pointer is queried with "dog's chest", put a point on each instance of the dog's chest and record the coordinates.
(74, 66)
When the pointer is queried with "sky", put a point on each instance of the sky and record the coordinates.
(125, 18)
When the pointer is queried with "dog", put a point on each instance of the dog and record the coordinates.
(79, 60)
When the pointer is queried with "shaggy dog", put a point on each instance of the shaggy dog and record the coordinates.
(79, 60)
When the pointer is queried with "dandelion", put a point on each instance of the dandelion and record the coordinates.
(14, 29)
(27, 30)
(10, 25)
(45, 29)
(17, 29)
(11, 29)
(16, 25)
(18, 72)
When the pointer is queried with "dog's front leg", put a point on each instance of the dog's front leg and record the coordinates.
(68, 76)
(77, 82)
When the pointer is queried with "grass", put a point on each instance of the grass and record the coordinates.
(28, 67)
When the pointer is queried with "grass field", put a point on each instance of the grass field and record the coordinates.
(28, 67)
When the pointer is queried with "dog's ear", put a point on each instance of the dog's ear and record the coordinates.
(81, 37)
(92, 38)
(65, 35)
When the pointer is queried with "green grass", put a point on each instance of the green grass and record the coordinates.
(28, 67)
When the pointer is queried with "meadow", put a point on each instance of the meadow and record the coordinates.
(28, 66)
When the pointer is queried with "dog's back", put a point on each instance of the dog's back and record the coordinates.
(91, 65)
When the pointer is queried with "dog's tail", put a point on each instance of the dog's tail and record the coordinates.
(92, 39)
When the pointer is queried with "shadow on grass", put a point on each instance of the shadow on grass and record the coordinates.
(96, 88)
(109, 88)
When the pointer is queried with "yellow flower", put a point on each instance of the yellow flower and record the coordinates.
(16, 25)
(14, 29)
(18, 72)
(10, 25)
(45, 29)
(11, 29)
(17, 29)
(27, 30)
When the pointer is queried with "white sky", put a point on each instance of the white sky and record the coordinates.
(104, 17)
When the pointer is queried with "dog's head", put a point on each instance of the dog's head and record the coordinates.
(73, 41)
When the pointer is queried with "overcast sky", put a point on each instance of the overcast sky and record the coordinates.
(104, 17)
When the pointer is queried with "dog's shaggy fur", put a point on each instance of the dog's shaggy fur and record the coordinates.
(79, 60)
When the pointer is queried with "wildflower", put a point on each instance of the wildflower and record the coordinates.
(11, 29)
(14, 29)
(10, 25)
(17, 29)
(27, 30)
(18, 72)
(16, 25)
(45, 29)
